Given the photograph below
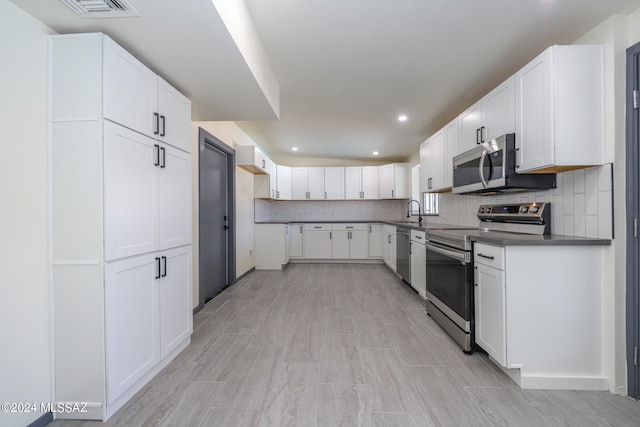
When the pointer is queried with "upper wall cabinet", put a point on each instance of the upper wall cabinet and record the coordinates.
(490, 117)
(393, 181)
(249, 157)
(307, 183)
(334, 183)
(283, 182)
(560, 110)
(436, 155)
(361, 182)
(118, 87)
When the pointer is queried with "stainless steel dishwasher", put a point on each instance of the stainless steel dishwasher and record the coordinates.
(403, 260)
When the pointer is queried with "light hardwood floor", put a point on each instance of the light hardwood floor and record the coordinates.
(342, 345)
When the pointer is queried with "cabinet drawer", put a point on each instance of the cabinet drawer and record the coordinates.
(390, 229)
(350, 227)
(418, 236)
(490, 255)
(317, 227)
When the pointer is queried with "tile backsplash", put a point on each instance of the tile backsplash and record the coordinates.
(330, 210)
(581, 205)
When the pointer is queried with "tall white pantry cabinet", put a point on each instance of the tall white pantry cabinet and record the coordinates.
(120, 189)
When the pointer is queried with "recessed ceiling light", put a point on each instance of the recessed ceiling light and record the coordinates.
(402, 118)
(375, 153)
(294, 148)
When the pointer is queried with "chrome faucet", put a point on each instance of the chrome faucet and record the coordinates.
(409, 210)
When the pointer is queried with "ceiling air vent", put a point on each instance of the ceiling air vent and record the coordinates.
(101, 8)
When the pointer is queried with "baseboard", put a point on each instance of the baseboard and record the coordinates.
(336, 261)
(43, 420)
(564, 383)
(245, 274)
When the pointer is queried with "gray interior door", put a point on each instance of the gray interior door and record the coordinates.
(214, 223)
(633, 213)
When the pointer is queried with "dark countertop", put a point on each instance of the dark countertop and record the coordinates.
(491, 237)
(515, 239)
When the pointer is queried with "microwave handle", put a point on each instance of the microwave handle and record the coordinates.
(483, 157)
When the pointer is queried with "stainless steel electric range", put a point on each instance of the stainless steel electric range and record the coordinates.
(450, 273)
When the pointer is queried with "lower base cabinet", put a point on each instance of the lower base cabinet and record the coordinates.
(419, 268)
(147, 314)
(490, 311)
(389, 246)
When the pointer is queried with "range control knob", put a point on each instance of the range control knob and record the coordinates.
(524, 209)
(533, 209)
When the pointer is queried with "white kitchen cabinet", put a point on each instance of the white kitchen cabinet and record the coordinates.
(334, 183)
(296, 239)
(252, 159)
(340, 244)
(307, 183)
(147, 190)
(452, 145)
(283, 182)
(490, 311)
(350, 241)
(271, 246)
(432, 163)
(561, 349)
(134, 211)
(419, 262)
(317, 241)
(137, 98)
(132, 315)
(375, 241)
(389, 246)
(560, 110)
(490, 117)
(361, 182)
(147, 314)
(393, 181)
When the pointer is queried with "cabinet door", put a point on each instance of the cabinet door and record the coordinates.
(317, 244)
(334, 183)
(315, 183)
(176, 309)
(424, 167)
(490, 323)
(283, 184)
(451, 142)
(498, 110)
(131, 322)
(393, 252)
(175, 116)
(375, 241)
(130, 90)
(435, 155)
(470, 124)
(534, 137)
(295, 248)
(370, 182)
(386, 181)
(359, 244)
(130, 192)
(174, 197)
(340, 244)
(387, 250)
(353, 182)
(299, 183)
(419, 268)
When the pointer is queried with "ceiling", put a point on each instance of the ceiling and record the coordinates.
(346, 68)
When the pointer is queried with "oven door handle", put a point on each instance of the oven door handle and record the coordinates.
(461, 256)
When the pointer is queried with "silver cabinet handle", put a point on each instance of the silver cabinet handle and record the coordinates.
(330, 235)
(393, 193)
(486, 256)
(325, 194)
(300, 229)
(389, 236)
(264, 164)
(277, 194)
(369, 229)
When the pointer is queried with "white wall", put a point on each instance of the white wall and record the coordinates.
(232, 135)
(25, 374)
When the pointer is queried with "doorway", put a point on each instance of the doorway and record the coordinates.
(633, 213)
(217, 217)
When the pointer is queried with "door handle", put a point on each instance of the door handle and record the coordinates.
(156, 160)
(164, 125)
(156, 130)
(393, 193)
(389, 236)
(164, 261)
(226, 227)
(482, 132)
(157, 268)
(264, 164)
(277, 194)
(478, 136)
(164, 157)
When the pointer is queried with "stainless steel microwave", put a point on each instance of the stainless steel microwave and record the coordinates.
(490, 168)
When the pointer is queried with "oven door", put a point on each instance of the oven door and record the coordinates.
(450, 283)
